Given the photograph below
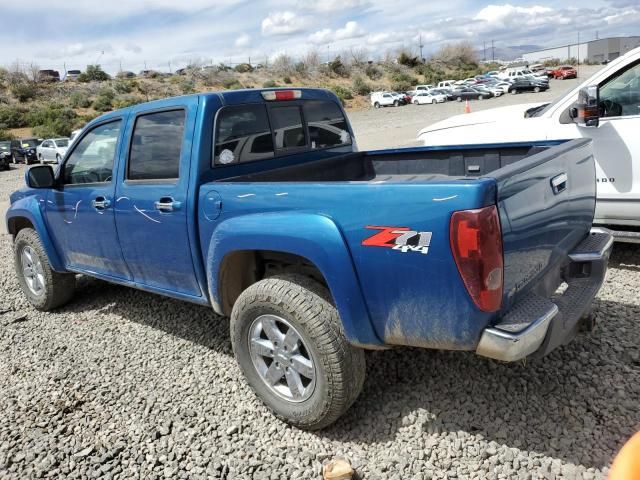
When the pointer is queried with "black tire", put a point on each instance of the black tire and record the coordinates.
(415, 102)
(513, 91)
(339, 367)
(58, 158)
(376, 105)
(396, 103)
(13, 159)
(40, 159)
(459, 99)
(536, 89)
(58, 287)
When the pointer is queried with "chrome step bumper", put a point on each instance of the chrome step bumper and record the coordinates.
(535, 325)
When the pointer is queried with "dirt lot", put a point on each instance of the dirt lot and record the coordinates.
(125, 384)
(398, 127)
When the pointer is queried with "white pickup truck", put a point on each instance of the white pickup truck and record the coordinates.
(615, 134)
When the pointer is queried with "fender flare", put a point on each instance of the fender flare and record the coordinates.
(311, 236)
(30, 208)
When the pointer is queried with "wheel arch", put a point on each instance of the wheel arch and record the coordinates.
(303, 243)
(25, 213)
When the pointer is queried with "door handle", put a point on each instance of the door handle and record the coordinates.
(559, 183)
(167, 204)
(100, 203)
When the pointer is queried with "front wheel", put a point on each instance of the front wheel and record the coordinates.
(415, 102)
(376, 105)
(513, 91)
(396, 103)
(459, 99)
(288, 340)
(536, 89)
(58, 158)
(44, 288)
(40, 159)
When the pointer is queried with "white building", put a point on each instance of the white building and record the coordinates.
(592, 51)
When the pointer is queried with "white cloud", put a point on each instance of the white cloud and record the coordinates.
(506, 16)
(386, 38)
(242, 41)
(350, 30)
(335, 5)
(284, 23)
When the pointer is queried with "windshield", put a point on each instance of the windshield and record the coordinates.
(5, 146)
(62, 142)
(30, 142)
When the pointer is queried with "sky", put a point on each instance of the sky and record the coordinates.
(168, 34)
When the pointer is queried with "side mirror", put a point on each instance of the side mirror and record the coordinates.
(40, 176)
(586, 110)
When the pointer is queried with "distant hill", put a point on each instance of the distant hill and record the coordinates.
(506, 53)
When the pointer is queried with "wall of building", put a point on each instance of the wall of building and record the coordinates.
(594, 51)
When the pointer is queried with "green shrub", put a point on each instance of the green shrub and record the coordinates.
(126, 101)
(342, 93)
(79, 100)
(338, 68)
(405, 59)
(51, 120)
(187, 86)
(402, 81)
(360, 86)
(104, 101)
(286, 80)
(269, 84)
(24, 91)
(123, 86)
(243, 68)
(13, 116)
(231, 84)
(93, 73)
(373, 72)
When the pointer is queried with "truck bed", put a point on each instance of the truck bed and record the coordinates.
(400, 165)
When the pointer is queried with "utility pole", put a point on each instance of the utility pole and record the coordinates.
(484, 50)
(493, 52)
(327, 53)
(421, 46)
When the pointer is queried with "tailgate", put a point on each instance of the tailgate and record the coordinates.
(546, 204)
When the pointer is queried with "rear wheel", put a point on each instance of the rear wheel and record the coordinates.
(288, 340)
(513, 91)
(44, 288)
(536, 89)
(415, 102)
(396, 103)
(459, 99)
(376, 105)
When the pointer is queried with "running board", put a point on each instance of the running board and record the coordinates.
(626, 237)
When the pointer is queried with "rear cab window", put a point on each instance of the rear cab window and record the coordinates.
(252, 132)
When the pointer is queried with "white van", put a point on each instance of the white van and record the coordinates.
(446, 84)
(511, 74)
(384, 99)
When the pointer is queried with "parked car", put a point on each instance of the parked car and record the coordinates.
(24, 150)
(468, 93)
(422, 98)
(527, 85)
(310, 277)
(513, 74)
(564, 72)
(125, 74)
(424, 88)
(494, 91)
(614, 131)
(52, 150)
(72, 75)
(504, 86)
(48, 76)
(384, 99)
(400, 96)
(446, 84)
(5, 154)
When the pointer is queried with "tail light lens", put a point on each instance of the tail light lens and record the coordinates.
(279, 95)
(476, 243)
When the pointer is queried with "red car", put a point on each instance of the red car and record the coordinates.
(563, 72)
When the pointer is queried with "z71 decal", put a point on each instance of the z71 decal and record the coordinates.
(402, 239)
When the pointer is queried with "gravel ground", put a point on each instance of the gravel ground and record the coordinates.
(125, 384)
(390, 126)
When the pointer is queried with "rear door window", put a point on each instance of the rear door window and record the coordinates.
(327, 125)
(243, 135)
(156, 146)
(288, 128)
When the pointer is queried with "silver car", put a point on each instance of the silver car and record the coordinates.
(52, 150)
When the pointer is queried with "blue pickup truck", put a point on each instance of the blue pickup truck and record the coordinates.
(258, 204)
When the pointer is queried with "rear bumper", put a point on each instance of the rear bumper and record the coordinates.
(535, 326)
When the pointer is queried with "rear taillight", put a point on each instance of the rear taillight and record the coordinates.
(476, 243)
(272, 95)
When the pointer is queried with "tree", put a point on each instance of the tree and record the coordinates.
(456, 55)
(93, 73)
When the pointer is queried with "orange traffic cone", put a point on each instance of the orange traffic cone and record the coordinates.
(467, 107)
(626, 465)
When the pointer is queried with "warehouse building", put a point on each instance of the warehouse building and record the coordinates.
(593, 51)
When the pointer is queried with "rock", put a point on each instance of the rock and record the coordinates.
(337, 469)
